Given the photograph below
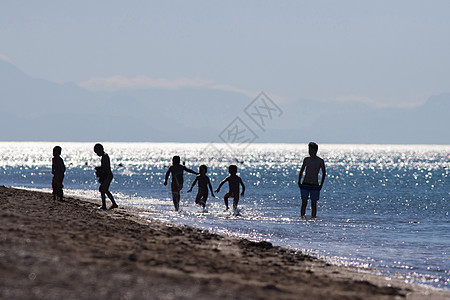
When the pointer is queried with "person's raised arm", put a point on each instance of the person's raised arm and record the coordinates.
(193, 184)
(220, 185)
(300, 174)
(243, 187)
(167, 176)
(324, 173)
(190, 171)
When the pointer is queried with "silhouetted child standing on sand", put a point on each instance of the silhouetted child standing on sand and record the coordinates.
(203, 184)
(105, 176)
(233, 182)
(58, 169)
(310, 187)
(177, 171)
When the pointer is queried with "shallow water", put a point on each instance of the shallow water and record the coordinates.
(383, 207)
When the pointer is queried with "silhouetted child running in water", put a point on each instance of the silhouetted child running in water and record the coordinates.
(177, 171)
(310, 187)
(233, 183)
(105, 176)
(58, 169)
(203, 184)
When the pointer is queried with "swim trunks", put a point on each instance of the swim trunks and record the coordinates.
(308, 190)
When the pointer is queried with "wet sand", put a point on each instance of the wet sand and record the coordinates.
(72, 250)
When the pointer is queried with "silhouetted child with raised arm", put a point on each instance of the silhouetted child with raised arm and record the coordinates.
(233, 183)
(203, 184)
(105, 176)
(58, 169)
(177, 171)
(310, 188)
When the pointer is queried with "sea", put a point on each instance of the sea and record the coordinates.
(383, 208)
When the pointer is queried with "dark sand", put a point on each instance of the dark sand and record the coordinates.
(72, 250)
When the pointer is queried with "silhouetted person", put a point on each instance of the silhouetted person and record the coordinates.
(310, 188)
(233, 183)
(105, 176)
(58, 169)
(177, 171)
(203, 184)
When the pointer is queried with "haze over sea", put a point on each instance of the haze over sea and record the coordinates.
(383, 208)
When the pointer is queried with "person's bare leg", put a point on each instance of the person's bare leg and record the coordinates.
(175, 201)
(204, 201)
(235, 202)
(225, 199)
(303, 211)
(103, 200)
(178, 201)
(314, 208)
(110, 196)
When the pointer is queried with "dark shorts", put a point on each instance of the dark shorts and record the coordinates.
(310, 191)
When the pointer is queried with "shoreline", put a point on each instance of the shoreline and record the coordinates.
(146, 213)
(72, 250)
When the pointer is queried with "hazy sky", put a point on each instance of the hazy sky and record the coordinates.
(383, 52)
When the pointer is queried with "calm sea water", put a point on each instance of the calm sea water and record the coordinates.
(384, 208)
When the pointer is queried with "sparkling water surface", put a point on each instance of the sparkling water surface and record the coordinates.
(383, 207)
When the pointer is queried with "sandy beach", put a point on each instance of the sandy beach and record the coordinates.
(72, 250)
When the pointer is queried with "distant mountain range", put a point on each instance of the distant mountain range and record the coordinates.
(39, 110)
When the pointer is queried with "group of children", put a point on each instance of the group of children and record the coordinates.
(309, 188)
(177, 170)
(104, 174)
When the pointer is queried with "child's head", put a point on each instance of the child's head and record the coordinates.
(98, 149)
(203, 169)
(57, 151)
(232, 169)
(176, 160)
(313, 148)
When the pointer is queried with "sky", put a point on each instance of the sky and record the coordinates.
(386, 53)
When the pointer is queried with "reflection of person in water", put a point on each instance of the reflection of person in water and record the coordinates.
(310, 188)
(177, 171)
(58, 169)
(233, 183)
(203, 184)
(105, 176)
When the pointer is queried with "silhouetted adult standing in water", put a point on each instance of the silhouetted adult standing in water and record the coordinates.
(177, 171)
(105, 176)
(310, 187)
(58, 169)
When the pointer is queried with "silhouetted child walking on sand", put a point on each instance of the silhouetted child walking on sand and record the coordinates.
(203, 184)
(105, 176)
(177, 171)
(58, 169)
(310, 187)
(233, 184)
